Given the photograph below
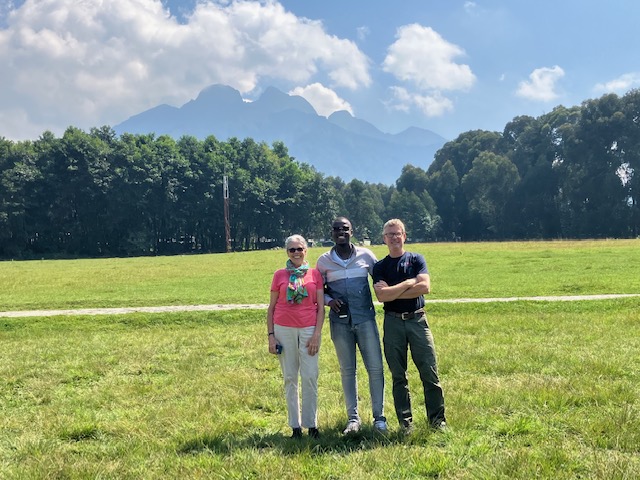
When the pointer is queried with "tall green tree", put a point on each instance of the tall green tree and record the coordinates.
(18, 177)
(413, 179)
(489, 186)
(418, 221)
(444, 188)
(457, 221)
(360, 203)
(536, 146)
(629, 170)
(594, 193)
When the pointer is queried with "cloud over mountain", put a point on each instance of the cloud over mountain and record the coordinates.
(340, 145)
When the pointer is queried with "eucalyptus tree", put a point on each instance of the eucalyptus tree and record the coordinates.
(18, 177)
(536, 147)
(73, 189)
(320, 203)
(131, 203)
(291, 210)
(453, 206)
(254, 175)
(205, 193)
(629, 171)
(412, 179)
(489, 186)
(594, 193)
(462, 151)
(411, 210)
(360, 205)
(444, 188)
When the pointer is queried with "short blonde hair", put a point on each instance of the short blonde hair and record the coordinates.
(295, 238)
(394, 222)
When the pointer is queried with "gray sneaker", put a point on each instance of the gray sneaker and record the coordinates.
(407, 429)
(352, 427)
(380, 426)
(441, 427)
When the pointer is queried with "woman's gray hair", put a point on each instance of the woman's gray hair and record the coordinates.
(295, 238)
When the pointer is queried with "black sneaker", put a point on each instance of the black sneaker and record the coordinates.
(314, 433)
(297, 433)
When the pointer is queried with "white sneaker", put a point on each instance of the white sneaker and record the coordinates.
(380, 426)
(352, 427)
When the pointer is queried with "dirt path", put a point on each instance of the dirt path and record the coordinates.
(263, 306)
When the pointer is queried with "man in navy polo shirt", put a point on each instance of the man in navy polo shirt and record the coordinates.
(401, 280)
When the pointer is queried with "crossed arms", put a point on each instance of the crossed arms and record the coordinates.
(409, 288)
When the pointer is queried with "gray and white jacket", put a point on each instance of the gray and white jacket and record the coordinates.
(348, 280)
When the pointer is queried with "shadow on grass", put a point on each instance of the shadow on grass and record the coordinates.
(331, 441)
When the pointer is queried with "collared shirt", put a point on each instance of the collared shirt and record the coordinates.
(396, 270)
(348, 280)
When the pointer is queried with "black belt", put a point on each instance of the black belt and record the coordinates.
(406, 315)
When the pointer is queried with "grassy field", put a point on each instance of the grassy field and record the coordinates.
(533, 389)
(457, 270)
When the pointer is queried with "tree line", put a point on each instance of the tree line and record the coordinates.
(570, 173)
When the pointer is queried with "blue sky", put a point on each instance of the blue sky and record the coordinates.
(446, 65)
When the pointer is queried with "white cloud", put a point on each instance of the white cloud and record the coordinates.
(431, 105)
(324, 100)
(470, 7)
(422, 57)
(363, 33)
(123, 56)
(424, 60)
(620, 85)
(542, 84)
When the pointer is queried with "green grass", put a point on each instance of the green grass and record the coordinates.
(457, 270)
(533, 389)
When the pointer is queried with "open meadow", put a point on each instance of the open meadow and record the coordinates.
(469, 270)
(534, 389)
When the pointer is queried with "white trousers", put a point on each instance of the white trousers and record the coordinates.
(295, 361)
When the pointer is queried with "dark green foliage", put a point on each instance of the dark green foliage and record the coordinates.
(571, 173)
(575, 175)
(94, 194)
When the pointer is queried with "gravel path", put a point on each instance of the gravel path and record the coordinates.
(263, 306)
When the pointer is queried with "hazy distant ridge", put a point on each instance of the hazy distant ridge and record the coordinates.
(340, 145)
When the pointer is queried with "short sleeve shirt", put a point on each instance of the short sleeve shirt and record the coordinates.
(297, 315)
(396, 270)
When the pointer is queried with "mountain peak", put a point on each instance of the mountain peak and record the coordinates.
(345, 120)
(273, 100)
(219, 94)
(342, 145)
(420, 136)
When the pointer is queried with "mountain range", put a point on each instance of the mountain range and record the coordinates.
(339, 145)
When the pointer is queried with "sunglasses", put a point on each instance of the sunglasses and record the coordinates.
(341, 229)
(294, 250)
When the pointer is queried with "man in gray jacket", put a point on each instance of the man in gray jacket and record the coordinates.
(346, 269)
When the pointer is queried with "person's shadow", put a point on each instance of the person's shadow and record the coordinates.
(331, 441)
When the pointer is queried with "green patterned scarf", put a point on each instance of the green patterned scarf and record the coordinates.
(296, 290)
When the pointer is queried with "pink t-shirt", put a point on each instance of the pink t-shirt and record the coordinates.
(297, 315)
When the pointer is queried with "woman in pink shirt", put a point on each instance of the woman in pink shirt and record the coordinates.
(294, 325)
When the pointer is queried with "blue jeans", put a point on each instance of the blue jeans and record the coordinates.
(365, 335)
